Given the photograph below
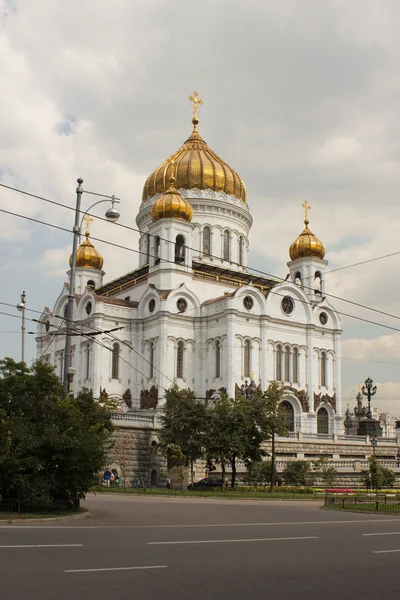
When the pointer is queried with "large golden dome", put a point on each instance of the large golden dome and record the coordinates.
(307, 244)
(197, 166)
(87, 256)
(171, 205)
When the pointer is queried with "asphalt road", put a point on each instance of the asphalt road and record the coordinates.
(172, 549)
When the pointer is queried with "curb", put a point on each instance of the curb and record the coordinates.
(83, 515)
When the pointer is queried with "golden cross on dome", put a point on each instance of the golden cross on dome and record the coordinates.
(196, 101)
(88, 220)
(306, 207)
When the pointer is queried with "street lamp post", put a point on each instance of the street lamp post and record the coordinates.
(112, 215)
(21, 306)
(369, 390)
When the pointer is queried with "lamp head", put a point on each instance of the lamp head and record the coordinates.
(112, 215)
(21, 306)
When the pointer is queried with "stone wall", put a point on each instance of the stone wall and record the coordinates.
(135, 455)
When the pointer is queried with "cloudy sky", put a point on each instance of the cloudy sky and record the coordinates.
(301, 97)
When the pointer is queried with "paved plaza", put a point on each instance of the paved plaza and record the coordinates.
(147, 548)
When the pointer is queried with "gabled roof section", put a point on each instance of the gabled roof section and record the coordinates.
(115, 301)
(207, 271)
(119, 284)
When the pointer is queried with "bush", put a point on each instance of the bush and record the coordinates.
(298, 472)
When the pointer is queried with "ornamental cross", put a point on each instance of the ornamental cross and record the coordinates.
(196, 101)
(306, 207)
(88, 220)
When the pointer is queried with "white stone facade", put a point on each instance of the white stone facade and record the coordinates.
(195, 316)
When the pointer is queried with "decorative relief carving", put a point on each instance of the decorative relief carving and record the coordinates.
(301, 396)
(320, 399)
(149, 398)
(210, 392)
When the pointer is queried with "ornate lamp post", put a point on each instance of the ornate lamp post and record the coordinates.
(369, 426)
(369, 390)
(249, 390)
(111, 215)
(21, 306)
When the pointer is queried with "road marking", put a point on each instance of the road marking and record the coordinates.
(44, 546)
(201, 525)
(385, 533)
(313, 537)
(384, 551)
(115, 569)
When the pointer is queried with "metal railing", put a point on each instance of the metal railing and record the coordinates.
(383, 503)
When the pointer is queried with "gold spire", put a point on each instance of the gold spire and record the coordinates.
(306, 207)
(196, 102)
(306, 244)
(88, 220)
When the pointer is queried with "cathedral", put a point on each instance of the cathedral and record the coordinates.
(191, 313)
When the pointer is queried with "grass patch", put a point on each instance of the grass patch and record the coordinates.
(228, 494)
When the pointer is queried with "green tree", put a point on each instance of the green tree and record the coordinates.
(52, 447)
(183, 425)
(298, 472)
(376, 477)
(325, 472)
(229, 433)
(259, 472)
(271, 420)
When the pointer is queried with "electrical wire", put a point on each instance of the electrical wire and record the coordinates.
(269, 275)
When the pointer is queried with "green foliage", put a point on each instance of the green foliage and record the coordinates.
(326, 473)
(298, 472)
(183, 426)
(51, 447)
(259, 473)
(376, 477)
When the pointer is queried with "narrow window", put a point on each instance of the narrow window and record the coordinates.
(217, 358)
(87, 362)
(151, 373)
(323, 368)
(279, 353)
(287, 363)
(207, 241)
(179, 249)
(179, 360)
(226, 245)
(295, 370)
(322, 421)
(147, 248)
(241, 250)
(157, 257)
(115, 362)
(289, 414)
(247, 358)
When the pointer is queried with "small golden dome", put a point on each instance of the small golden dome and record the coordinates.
(87, 256)
(307, 244)
(171, 205)
(197, 166)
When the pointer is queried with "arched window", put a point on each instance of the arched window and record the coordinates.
(151, 361)
(323, 365)
(318, 282)
(279, 356)
(157, 248)
(295, 366)
(241, 250)
(179, 360)
(247, 351)
(297, 278)
(154, 448)
(289, 414)
(217, 358)
(87, 362)
(227, 245)
(179, 249)
(115, 362)
(322, 421)
(207, 241)
(287, 363)
(91, 284)
(147, 248)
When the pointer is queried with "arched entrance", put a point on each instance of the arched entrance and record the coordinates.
(154, 478)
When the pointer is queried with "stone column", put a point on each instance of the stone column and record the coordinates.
(264, 353)
(229, 355)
